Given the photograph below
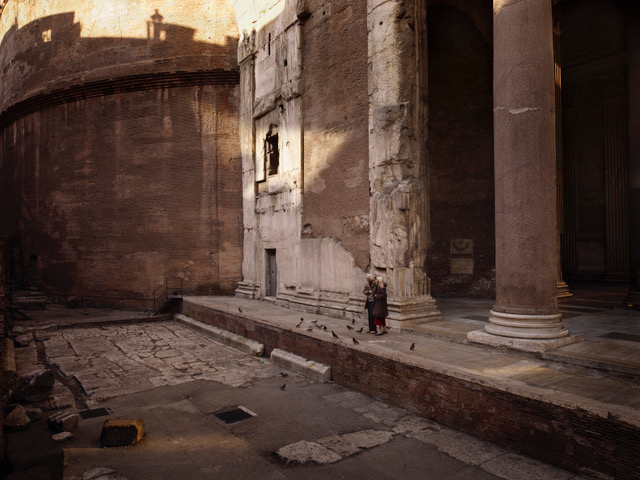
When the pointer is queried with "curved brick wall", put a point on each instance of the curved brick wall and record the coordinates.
(118, 144)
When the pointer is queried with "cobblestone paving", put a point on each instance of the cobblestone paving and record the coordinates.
(110, 361)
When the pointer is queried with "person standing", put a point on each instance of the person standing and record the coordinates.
(369, 303)
(380, 310)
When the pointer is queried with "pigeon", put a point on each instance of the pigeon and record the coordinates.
(301, 319)
(325, 327)
(284, 375)
(310, 329)
(298, 325)
(353, 321)
(239, 309)
(334, 334)
(314, 321)
(360, 331)
(318, 326)
(356, 341)
(349, 327)
(283, 386)
(413, 345)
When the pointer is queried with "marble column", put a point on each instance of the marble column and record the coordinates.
(525, 315)
(634, 154)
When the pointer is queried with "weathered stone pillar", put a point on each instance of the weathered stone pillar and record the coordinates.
(634, 153)
(525, 315)
(399, 207)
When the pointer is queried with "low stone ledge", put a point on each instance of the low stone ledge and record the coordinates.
(313, 370)
(222, 336)
(120, 432)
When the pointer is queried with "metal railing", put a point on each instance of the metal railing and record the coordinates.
(161, 294)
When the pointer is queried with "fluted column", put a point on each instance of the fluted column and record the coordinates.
(525, 315)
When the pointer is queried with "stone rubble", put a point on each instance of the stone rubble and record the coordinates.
(17, 419)
(34, 386)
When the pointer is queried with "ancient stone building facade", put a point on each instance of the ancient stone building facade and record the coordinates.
(119, 152)
(496, 140)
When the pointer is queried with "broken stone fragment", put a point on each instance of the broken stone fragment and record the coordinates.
(306, 452)
(17, 419)
(62, 437)
(102, 474)
(42, 336)
(25, 340)
(120, 432)
(34, 386)
(34, 413)
(63, 421)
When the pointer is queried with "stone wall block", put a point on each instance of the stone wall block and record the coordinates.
(121, 432)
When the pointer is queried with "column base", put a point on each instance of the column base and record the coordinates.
(412, 310)
(633, 299)
(531, 333)
(563, 291)
(248, 290)
(522, 344)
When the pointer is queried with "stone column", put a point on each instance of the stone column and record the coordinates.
(525, 315)
(634, 154)
(399, 205)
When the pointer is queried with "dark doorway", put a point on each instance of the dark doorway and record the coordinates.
(33, 271)
(272, 273)
(595, 240)
(461, 251)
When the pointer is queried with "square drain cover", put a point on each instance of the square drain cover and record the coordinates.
(234, 414)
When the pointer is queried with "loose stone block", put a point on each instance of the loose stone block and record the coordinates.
(63, 421)
(34, 386)
(17, 419)
(313, 370)
(102, 474)
(120, 432)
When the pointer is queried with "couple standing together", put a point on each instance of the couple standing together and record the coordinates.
(376, 305)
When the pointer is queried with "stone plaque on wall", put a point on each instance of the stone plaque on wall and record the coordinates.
(462, 266)
(461, 246)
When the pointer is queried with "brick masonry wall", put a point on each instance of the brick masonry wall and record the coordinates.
(573, 439)
(335, 109)
(115, 193)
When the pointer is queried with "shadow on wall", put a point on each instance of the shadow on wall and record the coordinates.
(120, 159)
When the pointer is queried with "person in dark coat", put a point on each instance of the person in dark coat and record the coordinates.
(369, 303)
(380, 310)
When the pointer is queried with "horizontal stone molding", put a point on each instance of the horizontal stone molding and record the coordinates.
(131, 83)
(222, 336)
(313, 370)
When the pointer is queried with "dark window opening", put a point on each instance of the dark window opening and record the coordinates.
(269, 45)
(271, 151)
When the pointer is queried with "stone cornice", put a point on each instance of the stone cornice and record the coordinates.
(131, 83)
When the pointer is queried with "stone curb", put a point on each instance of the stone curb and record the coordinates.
(9, 356)
(313, 370)
(245, 345)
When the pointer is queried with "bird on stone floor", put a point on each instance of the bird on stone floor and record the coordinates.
(356, 341)
(334, 334)
(314, 321)
(239, 309)
(325, 327)
(310, 329)
(353, 321)
(283, 386)
(360, 331)
(349, 327)
(318, 326)
(298, 325)
(413, 345)
(284, 375)
(301, 319)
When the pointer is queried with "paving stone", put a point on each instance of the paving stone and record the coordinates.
(460, 446)
(307, 452)
(413, 423)
(381, 413)
(62, 437)
(517, 467)
(352, 443)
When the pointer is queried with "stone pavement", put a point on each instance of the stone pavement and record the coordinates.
(176, 380)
